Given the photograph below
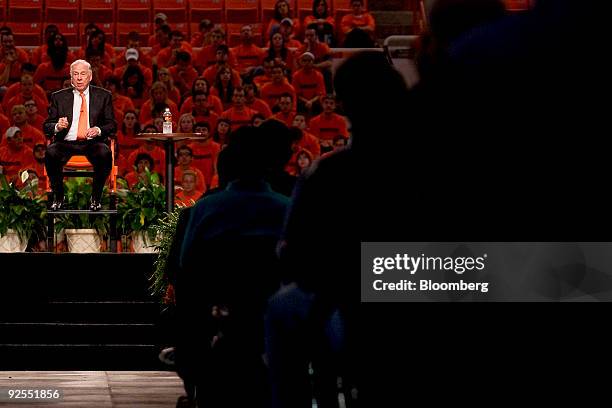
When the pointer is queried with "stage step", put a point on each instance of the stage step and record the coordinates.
(80, 312)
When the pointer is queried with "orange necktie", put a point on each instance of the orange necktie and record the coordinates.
(82, 131)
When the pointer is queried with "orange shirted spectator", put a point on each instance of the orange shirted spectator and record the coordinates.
(100, 73)
(157, 154)
(50, 75)
(299, 162)
(201, 110)
(223, 131)
(120, 102)
(238, 115)
(201, 84)
(286, 30)
(38, 165)
(162, 38)
(282, 10)
(358, 18)
(159, 100)
(221, 61)
(189, 193)
(12, 58)
(205, 152)
(160, 20)
(167, 56)
(25, 94)
(261, 80)
(279, 52)
(141, 162)
(29, 134)
(306, 140)
(328, 124)
(15, 89)
(208, 54)
(248, 55)
(321, 22)
(183, 73)
(223, 86)
(184, 156)
(308, 83)
(320, 50)
(4, 124)
(133, 86)
(34, 118)
(96, 43)
(133, 42)
(39, 54)
(253, 102)
(202, 37)
(163, 76)
(15, 155)
(272, 91)
(126, 134)
(132, 57)
(286, 113)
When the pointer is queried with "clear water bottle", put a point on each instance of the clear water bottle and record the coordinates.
(167, 128)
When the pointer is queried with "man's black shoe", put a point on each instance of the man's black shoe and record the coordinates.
(95, 205)
(57, 205)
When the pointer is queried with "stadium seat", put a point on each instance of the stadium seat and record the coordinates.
(26, 34)
(2, 10)
(233, 34)
(69, 30)
(176, 10)
(100, 11)
(242, 11)
(518, 5)
(123, 29)
(303, 8)
(267, 10)
(342, 8)
(62, 11)
(25, 11)
(205, 9)
(108, 28)
(133, 11)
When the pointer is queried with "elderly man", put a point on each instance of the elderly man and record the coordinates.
(80, 121)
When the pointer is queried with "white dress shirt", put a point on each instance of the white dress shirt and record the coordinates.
(76, 113)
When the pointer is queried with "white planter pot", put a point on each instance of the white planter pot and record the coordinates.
(83, 241)
(11, 242)
(142, 243)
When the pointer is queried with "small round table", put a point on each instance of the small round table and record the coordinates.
(169, 139)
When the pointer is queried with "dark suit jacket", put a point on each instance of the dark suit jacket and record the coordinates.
(101, 112)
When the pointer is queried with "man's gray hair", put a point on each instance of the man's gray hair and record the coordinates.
(80, 62)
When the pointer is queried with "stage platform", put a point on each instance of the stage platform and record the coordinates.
(79, 312)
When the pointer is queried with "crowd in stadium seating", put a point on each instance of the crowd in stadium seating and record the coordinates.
(213, 87)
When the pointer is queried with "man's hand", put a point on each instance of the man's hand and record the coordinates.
(91, 133)
(62, 123)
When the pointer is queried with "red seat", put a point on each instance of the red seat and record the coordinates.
(518, 5)
(70, 31)
(242, 11)
(108, 28)
(62, 11)
(212, 10)
(123, 29)
(303, 9)
(2, 10)
(267, 10)
(133, 11)
(25, 11)
(175, 10)
(100, 11)
(27, 34)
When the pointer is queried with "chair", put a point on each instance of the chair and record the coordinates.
(303, 8)
(69, 30)
(123, 29)
(62, 11)
(233, 34)
(3, 10)
(27, 34)
(25, 11)
(79, 166)
(176, 10)
(212, 10)
(100, 11)
(267, 10)
(242, 11)
(133, 11)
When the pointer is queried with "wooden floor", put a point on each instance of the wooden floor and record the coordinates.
(84, 389)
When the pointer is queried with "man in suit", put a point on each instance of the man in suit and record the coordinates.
(80, 121)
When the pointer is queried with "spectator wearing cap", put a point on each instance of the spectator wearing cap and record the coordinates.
(309, 85)
(222, 56)
(208, 54)
(14, 154)
(282, 10)
(248, 55)
(132, 58)
(202, 37)
(26, 93)
(31, 136)
(183, 73)
(167, 56)
(133, 41)
(160, 19)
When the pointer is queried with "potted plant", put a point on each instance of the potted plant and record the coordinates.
(166, 231)
(140, 209)
(22, 215)
(83, 231)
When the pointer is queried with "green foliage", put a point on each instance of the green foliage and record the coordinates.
(23, 211)
(142, 207)
(166, 230)
(77, 195)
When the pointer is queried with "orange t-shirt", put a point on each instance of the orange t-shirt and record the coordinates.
(146, 73)
(127, 143)
(248, 56)
(321, 51)
(13, 161)
(18, 99)
(49, 78)
(308, 84)
(164, 55)
(15, 90)
(286, 118)
(261, 80)
(205, 158)
(36, 122)
(181, 198)
(272, 92)
(189, 75)
(4, 124)
(327, 127)
(123, 103)
(210, 75)
(261, 106)
(312, 19)
(213, 101)
(208, 56)
(239, 118)
(310, 143)
(351, 21)
(31, 136)
(158, 155)
(211, 119)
